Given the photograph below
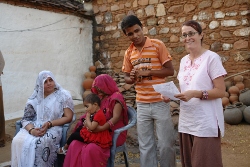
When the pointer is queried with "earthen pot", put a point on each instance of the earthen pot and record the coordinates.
(232, 115)
(226, 94)
(240, 85)
(233, 91)
(246, 114)
(234, 98)
(93, 75)
(87, 82)
(228, 84)
(225, 102)
(245, 96)
(238, 80)
(85, 93)
(240, 106)
(247, 83)
(92, 68)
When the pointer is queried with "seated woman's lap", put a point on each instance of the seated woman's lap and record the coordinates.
(80, 154)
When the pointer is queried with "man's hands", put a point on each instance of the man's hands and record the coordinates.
(137, 75)
(132, 75)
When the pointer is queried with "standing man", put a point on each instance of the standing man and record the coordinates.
(2, 120)
(147, 62)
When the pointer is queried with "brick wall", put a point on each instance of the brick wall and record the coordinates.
(225, 24)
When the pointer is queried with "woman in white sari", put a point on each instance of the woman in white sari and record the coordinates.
(47, 109)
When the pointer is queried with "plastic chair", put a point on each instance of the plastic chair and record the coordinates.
(132, 121)
(64, 133)
(60, 158)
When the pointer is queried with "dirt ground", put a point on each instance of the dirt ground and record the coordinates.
(235, 145)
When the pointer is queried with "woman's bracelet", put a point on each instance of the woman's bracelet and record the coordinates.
(50, 124)
(110, 124)
(204, 95)
(30, 130)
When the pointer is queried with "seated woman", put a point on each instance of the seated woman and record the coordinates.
(113, 105)
(47, 109)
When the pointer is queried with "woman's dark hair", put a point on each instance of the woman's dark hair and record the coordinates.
(92, 98)
(130, 21)
(195, 25)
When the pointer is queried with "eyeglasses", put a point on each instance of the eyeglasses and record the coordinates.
(189, 34)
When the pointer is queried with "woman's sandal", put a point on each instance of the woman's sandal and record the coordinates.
(61, 150)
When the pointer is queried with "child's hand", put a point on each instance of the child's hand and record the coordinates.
(84, 122)
(88, 114)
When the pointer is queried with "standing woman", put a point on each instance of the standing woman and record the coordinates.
(47, 109)
(201, 121)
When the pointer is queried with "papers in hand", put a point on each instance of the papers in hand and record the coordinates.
(167, 89)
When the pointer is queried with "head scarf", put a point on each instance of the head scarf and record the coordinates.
(107, 85)
(37, 96)
(39, 87)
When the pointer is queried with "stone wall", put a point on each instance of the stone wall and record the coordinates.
(224, 22)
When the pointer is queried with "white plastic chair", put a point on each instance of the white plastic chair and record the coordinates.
(132, 121)
(59, 160)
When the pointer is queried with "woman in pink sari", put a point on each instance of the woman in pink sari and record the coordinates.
(113, 105)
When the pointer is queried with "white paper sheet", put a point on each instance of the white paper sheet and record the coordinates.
(167, 89)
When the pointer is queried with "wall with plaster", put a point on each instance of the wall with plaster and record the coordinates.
(34, 40)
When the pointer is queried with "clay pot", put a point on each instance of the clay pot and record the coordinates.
(228, 84)
(246, 114)
(93, 75)
(245, 96)
(233, 115)
(240, 85)
(240, 106)
(234, 91)
(226, 94)
(225, 102)
(87, 83)
(85, 93)
(92, 68)
(234, 98)
(247, 83)
(238, 80)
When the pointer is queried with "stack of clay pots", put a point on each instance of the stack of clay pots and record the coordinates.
(87, 82)
(236, 102)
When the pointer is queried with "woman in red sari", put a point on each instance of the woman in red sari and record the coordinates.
(113, 105)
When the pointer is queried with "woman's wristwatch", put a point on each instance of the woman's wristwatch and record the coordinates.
(50, 124)
(30, 130)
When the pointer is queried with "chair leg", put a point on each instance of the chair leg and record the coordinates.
(126, 158)
(111, 161)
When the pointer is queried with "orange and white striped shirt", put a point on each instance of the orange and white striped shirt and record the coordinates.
(152, 57)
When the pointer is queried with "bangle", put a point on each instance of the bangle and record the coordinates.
(50, 124)
(30, 130)
(110, 124)
(204, 95)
